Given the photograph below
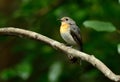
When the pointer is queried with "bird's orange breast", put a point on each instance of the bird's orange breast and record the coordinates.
(64, 27)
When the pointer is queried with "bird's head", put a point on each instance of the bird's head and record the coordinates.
(67, 20)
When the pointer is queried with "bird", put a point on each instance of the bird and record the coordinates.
(70, 33)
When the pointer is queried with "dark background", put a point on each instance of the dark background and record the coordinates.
(26, 60)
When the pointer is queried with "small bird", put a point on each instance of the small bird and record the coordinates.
(70, 33)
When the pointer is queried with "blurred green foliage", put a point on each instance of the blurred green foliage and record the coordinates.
(25, 60)
(100, 26)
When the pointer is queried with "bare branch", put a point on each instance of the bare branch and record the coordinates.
(59, 46)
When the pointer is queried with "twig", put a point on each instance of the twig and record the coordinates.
(59, 46)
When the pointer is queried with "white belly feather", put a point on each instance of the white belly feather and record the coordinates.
(68, 38)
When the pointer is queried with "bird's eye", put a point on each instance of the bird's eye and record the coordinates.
(66, 19)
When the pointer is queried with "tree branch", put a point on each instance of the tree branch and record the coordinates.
(59, 46)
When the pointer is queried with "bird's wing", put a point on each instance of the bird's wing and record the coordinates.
(75, 32)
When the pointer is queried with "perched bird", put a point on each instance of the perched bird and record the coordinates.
(70, 33)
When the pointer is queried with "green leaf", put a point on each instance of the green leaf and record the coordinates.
(100, 26)
(55, 71)
(118, 48)
(7, 74)
(24, 70)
